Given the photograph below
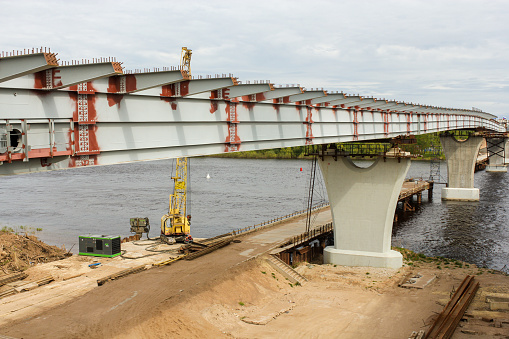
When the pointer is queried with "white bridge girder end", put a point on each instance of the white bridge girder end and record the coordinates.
(460, 194)
(390, 259)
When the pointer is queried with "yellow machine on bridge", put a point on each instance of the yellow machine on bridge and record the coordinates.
(175, 225)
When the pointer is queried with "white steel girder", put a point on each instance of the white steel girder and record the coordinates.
(146, 116)
(327, 99)
(17, 66)
(247, 92)
(307, 95)
(281, 94)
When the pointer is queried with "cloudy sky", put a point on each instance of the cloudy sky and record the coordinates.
(451, 53)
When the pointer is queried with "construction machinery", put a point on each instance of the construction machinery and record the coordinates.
(175, 225)
(185, 60)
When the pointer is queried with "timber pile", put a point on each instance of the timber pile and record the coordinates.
(8, 278)
(209, 248)
(447, 321)
(120, 274)
(27, 287)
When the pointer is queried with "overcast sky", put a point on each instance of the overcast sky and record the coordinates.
(445, 53)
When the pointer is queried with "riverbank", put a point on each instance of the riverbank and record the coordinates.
(233, 292)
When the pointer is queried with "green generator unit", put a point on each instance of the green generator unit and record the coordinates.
(99, 245)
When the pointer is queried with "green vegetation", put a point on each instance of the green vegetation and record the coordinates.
(241, 303)
(276, 153)
(414, 259)
(428, 145)
(21, 229)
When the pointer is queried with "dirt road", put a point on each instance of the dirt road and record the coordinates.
(115, 307)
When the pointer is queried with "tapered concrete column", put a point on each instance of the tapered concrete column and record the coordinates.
(496, 147)
(506, 147)
(461, 157)
(363, 201)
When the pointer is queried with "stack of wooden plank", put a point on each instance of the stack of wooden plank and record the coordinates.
(447, 321)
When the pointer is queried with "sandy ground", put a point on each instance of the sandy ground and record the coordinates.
(233, 292)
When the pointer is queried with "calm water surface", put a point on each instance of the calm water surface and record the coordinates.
(241, 192)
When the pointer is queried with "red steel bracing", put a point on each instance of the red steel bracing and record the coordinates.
(447, 121)
(309, 125)
(355, 127)
(47, 79)
(232, 140)
(385, 117)
(408, 123)
(179, 89)
(425, 121)
(85, 141)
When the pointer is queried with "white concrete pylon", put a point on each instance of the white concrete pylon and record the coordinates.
(363, 201)
(506, 145)
(461, 157)
(497, 154)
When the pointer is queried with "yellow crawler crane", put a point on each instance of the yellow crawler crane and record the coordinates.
(175, 226)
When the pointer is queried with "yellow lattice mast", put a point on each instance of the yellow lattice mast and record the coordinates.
(185, 60)
(176, 223)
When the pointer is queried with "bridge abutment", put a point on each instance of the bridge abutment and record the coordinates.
(461, 157)
(363, 201)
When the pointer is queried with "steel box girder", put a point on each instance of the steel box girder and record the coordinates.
(145, 122)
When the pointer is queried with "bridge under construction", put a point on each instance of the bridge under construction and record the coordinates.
(56, 115)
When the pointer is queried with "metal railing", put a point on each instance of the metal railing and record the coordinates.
(275, 220)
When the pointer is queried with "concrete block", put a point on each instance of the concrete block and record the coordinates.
(496, 168)
(390, 259)
(460, 194)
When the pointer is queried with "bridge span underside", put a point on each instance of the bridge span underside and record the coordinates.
(54, 116)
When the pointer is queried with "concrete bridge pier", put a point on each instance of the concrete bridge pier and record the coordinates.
(506, 147)
(363, 201)
(496, 152)
(461, 157)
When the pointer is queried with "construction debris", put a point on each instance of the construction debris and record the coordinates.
(417, 280)
(21, 251)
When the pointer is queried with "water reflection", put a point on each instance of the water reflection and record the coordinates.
(475, 232)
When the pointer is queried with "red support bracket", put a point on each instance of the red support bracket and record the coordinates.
(355, 122)
(385, 117)
(408, 123)
(232, 140)
(309, 125)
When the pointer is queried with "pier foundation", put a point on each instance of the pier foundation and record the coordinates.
(461, 157)
(363, 201)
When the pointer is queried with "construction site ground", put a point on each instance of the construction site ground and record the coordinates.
(233, 292)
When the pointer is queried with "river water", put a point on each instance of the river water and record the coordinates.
(239, 193)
